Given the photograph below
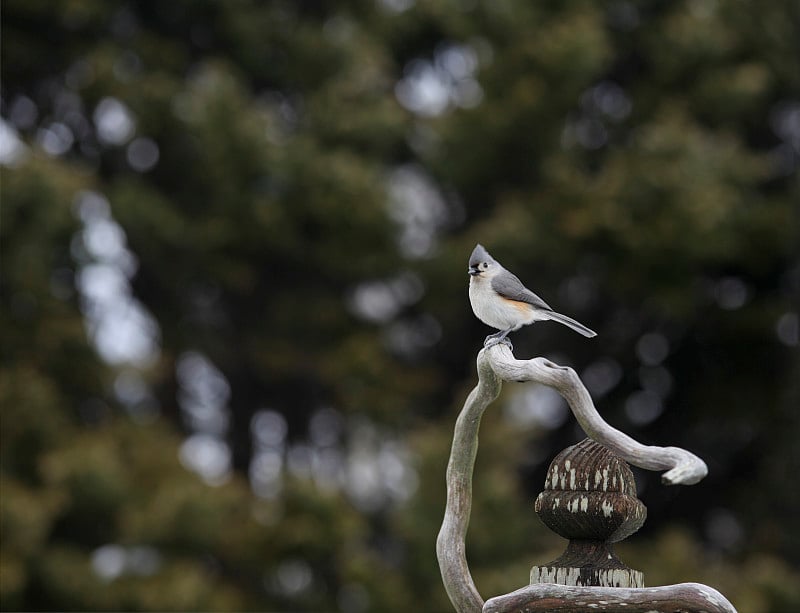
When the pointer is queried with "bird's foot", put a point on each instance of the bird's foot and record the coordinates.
(496, 339)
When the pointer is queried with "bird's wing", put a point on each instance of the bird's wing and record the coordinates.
(509, 286)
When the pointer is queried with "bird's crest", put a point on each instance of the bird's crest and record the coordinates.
(479, 254)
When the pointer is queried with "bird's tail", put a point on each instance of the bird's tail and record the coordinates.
(571, 323)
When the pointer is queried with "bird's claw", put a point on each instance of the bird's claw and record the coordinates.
(493, 340)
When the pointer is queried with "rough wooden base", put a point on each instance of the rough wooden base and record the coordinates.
(550, 598)
(602, 577)
(587, 562)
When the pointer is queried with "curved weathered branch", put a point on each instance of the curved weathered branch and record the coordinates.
(551, 598)
(450, 548)
(682, 466)
(495, 365)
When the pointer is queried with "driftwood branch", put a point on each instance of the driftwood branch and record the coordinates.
(682, 466)
(450, 547)
(552, 598)
(495, 365)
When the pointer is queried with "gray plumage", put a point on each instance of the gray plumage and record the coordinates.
(499, 299)
(509, 286)
(479, 254)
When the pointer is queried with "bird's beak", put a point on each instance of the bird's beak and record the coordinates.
(473, 270)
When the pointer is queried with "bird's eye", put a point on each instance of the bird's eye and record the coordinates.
(485, 265)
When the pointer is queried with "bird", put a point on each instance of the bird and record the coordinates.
(500, 300)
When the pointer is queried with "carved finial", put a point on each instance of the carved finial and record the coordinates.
(590, 499)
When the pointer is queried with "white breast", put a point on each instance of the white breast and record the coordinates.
(495, 311)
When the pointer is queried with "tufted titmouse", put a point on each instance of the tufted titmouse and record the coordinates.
(499, 299)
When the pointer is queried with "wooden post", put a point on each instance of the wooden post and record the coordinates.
(495, 365)
(590, 499)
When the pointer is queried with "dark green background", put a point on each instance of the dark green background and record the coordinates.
(303, 236)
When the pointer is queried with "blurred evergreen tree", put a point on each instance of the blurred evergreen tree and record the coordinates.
(273, 203)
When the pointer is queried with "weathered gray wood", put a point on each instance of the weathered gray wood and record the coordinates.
(682, 466)
(594, 576)
(450, 549)
(497, 364)
(550, 598)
